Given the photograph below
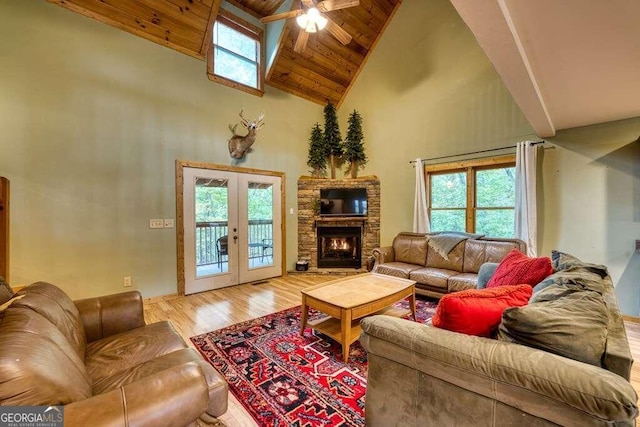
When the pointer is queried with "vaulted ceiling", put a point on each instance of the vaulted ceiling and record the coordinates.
(567, 63)
(323, 72)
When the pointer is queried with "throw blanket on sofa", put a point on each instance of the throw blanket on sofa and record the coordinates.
(444, 242)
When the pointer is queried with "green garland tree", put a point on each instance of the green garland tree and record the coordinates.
(332, 137)
(317, 154)
(353, 147)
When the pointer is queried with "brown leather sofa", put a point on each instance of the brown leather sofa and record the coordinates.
(411, 257)
(99, 359)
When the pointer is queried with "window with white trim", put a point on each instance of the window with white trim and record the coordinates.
(235, 58)
(473, 196)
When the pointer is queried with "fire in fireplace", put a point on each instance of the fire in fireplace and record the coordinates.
(339, 247)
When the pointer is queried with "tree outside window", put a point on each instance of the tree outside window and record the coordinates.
(473, 196)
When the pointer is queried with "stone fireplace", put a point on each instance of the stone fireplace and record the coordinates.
(335, 243)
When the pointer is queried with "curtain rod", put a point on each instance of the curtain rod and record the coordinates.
(473, 152)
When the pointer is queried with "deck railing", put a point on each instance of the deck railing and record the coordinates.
(209, 233)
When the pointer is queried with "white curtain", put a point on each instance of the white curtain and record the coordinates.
(420, 217)
(526, 218)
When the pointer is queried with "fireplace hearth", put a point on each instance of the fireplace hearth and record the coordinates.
(339, 247)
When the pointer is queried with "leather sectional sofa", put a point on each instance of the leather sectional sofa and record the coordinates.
(99, 359)
(411, 257)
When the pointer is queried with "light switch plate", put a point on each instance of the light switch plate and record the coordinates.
(156, 223)
(168, 223)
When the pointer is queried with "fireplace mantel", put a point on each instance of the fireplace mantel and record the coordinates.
(308, 219)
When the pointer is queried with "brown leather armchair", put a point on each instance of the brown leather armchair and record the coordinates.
(99, 359)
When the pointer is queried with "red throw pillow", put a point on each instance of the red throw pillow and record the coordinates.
(516, 268)
(478, 311)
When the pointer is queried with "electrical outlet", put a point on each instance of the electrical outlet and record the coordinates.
(168, 223)
(156, 223)
(126, 281)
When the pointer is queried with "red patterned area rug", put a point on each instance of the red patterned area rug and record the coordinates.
(284, 379)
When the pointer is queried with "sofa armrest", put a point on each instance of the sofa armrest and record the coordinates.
(382, 255)
(173, 397)
(537, 382)
(110, 314)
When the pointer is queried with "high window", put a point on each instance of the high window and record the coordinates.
(475, 196)
(235, 57)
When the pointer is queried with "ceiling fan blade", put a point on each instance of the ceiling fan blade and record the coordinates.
(329, 5)
(338, 32)
(301, 42)
(283, 15)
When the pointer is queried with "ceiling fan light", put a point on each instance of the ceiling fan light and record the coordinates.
(313, 13)
(302, 20)
(321, 22)
(311, 27)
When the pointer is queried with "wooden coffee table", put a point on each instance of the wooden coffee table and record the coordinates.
(349, 299)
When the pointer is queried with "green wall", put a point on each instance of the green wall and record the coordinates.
(591, 201)
(92, 122)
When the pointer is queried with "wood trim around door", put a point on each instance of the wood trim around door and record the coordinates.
(4, 228)
(180, 165)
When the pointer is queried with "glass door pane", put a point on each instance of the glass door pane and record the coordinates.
(260, 221)
(212, 226)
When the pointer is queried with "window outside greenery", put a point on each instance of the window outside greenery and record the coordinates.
(494, 197)
(495, 201)
(448, 201)
(236, 55)
(212, 203)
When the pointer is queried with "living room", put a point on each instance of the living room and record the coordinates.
(94, 119)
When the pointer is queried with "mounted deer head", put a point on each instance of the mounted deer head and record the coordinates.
(241, 145)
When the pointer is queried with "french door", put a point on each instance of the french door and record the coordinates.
(232, 228)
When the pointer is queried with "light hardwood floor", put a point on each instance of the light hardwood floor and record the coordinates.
(207, 311)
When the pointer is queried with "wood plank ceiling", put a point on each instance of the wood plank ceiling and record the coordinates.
(323, 72)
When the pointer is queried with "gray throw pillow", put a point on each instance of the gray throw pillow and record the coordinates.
(573, 325)
(6, 293)
(485, 272)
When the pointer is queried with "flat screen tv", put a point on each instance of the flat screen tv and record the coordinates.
(343, 202)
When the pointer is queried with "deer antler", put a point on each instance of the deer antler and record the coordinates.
(259, 122)
(244, 121)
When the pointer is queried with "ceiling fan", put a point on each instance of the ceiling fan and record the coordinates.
(310, 18)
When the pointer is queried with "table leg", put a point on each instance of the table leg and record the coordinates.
(303, 316)
(345, 326)
(412, 304)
